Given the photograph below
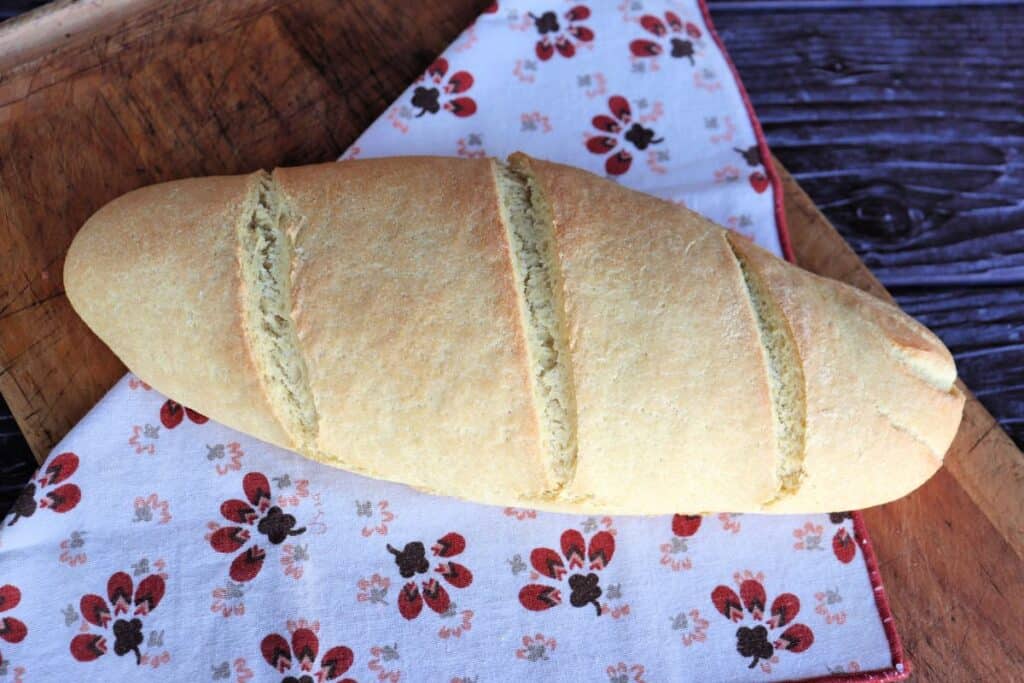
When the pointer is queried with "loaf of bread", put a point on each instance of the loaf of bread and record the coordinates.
(518, 333)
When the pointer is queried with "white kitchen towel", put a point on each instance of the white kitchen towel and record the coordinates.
(636, 91)
(155, 544)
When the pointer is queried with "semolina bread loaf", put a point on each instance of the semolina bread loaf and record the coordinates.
(519, 333)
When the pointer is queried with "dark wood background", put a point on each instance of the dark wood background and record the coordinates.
(905, 123)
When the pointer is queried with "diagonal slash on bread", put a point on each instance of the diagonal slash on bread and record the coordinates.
(519, 333)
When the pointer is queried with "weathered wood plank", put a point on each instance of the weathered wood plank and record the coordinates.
(187, 88)
(16, 461)
(975, 504)
(983, 459)
(904, 124)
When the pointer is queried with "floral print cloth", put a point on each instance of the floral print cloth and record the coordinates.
(154, 544)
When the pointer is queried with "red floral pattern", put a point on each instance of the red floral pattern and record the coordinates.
(692, 626)
(673, 553)
(303, 651)
(672, 36)
(753, 641)
(382, 663)
(462, 625)
(812, 536)
(730, 521)
(829, 605)
(585, 587)
(686, 525)
(563, 34)
(128, 637)
(430, 99)
(56, 498)
(616, 134)
(12, 630)
(625, 673)
(520, 513)
(752, 156)
(383, 514)
(844, 544)
(270, 521)
(411, 561)
(172, 413)
(537, 647)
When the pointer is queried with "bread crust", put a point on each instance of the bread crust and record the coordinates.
(155, 274)
(406, 311)
(407, 317)
(878, 425)
(672, 395)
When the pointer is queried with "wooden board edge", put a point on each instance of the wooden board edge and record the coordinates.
(983, 459)
(37, 36)
(56, 24)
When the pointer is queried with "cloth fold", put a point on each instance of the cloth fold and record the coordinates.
(154, 543)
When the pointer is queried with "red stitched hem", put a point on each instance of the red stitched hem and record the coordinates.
(762, 145)
(900, 668)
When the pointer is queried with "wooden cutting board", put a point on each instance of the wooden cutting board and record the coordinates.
(99, 98)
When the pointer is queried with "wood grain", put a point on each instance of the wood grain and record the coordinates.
(983, 459)
(187, 87)
(950, 552)
(955, 586)
(904, 123)
(16, 461)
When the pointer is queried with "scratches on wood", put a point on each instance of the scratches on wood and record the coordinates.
(944, 597)
(4, 313)
(166, 90)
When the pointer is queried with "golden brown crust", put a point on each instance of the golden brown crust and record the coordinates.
(409, 323)
(672, 394)
(407, 316)
(876, 427)
(155, 273)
